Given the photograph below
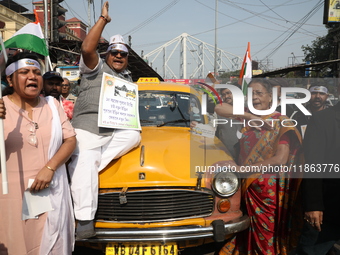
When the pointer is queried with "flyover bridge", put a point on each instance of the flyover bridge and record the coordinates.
(194, 58)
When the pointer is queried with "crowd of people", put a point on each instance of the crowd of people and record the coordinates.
(269, 198)
(45, 126)
(289, 214)
(37, 110)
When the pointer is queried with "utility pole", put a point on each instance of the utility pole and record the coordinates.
(293, 59)
(215, 61)
(89, 12)
(337, 54)
(46, 35)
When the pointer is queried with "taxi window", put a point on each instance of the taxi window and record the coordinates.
(164, 108)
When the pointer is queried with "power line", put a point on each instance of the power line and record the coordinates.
(287, 21)
(235, 22)
(266, 17)
(259, 15)
(152, 18)
(274, 11)
(75, 14)
(259, 5)
(301, 22)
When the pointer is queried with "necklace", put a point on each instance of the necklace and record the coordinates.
(34, 124)
(38, 100)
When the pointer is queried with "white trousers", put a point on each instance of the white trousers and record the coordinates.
(92, 154)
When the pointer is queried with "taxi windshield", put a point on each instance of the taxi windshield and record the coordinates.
(167, 108)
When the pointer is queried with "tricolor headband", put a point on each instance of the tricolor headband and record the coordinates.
(117, 46)
(20, 64)
(320, 89)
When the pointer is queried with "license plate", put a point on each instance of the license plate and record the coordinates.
(141, 249)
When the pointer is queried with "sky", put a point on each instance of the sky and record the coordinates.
(276, 29)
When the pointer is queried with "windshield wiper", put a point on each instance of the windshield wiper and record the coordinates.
(173, 121)
(146, 121)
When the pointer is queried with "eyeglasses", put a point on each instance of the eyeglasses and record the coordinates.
(65, 85)
(124, 54)
(32, 138)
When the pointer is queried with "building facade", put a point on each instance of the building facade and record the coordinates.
(11, 21)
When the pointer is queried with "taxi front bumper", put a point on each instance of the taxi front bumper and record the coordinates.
(169, 234)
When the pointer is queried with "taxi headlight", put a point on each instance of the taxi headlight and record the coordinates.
(225, 184)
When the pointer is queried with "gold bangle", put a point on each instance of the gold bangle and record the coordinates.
(48, 167)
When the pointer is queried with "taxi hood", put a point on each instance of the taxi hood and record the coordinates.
(163, 158)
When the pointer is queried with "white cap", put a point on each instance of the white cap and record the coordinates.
(116, 39)
(117, 46)
(320, 89)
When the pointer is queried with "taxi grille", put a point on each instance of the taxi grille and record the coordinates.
(155, 205)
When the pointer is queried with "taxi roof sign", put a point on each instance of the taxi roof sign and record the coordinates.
(148, 80)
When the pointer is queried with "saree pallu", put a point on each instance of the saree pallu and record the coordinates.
(269, 198)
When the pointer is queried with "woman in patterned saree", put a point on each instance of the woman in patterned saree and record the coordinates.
(268, 197)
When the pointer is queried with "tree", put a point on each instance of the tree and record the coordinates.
(322, 49)
(225, 77)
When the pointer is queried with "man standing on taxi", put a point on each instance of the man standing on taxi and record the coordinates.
(96, 146)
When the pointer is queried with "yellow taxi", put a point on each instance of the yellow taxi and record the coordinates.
(169, 193)
(130, 94)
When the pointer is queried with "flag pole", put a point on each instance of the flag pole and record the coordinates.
(49, 63)
(47, 60)
(2, 137)
(246, 71)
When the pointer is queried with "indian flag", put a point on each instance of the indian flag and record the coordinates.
(30, 37)
(246, 71)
